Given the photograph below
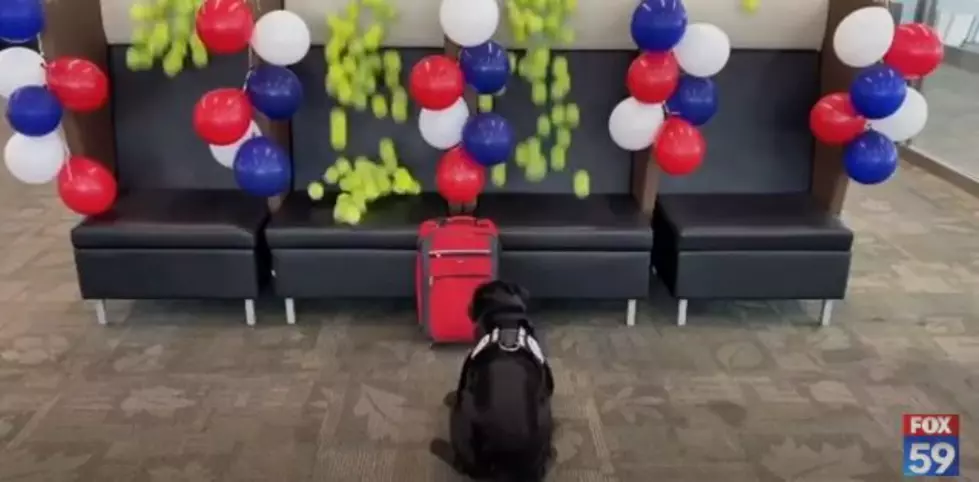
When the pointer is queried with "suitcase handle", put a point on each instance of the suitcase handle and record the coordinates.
(458, 220)
(451, 252)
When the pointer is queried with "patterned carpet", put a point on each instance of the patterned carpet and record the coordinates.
(747, 392)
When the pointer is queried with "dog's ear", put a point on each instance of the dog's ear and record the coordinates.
(476, 305)
(519, 291)
(472, 310)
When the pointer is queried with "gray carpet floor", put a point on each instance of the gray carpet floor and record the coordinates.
(749, 391)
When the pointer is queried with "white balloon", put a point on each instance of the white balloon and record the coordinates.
(469, 22)
(225, 155)
(864, 36)
(20, 67)
(442, 129)
(35, 160)
(704, 50)
(281, 38)
(633, 125)
(908, 121)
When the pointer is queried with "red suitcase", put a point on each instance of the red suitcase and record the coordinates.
(455, 256)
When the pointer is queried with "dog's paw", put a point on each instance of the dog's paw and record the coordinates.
(442, 450)
(450, 399)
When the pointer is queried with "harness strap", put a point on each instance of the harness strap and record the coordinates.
(510, 340)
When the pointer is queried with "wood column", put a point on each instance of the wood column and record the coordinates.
(74, 28)
(645, 181)
(472, 102)
(279, 131)
(829, 180)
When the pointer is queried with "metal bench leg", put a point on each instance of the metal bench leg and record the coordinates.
(681, 312)
(100, 313)
(290, 311)
(250, 312)
(826, 313)
(630, 313)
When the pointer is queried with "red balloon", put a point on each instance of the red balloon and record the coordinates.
(79, 84)
(679, 148)
(436, 82)
(458, 178)
(834, 121)
(222, 116)
(653, 76)
(916, 50)
(86, 187)
(225, 26)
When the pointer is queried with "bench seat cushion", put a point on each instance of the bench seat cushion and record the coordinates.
(599, 222)
(390, 223)
(759, 222)
(526, 222)
(162, 219)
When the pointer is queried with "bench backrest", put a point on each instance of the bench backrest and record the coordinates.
(156, 146)
(758, 142)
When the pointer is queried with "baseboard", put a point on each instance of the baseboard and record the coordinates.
(940, 169)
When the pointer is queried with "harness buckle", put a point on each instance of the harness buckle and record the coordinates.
(510, 340)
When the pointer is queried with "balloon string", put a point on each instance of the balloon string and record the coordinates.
(40, 49)
(60, 131)
(257, 4)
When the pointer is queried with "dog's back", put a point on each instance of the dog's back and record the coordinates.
(511, 410)
(514, 419)
(505, 391)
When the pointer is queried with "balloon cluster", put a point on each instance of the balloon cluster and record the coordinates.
(542, 25)
(665, 106)
(38, 94)
(357, 74)
(437, 83)
(879, 109)
(164, 29)
(223, 117)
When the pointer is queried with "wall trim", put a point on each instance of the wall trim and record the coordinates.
(940, 169)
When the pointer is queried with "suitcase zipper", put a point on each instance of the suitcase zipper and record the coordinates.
(431, 279)
(460, 252)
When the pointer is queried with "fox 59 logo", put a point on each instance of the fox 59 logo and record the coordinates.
(931, 445)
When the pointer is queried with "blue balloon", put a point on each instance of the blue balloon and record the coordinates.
(878, 91)
(275, 91)
(21, 20)
(658, 25)
(488, 138)
(871, 158)
(33, 111)
(695, 100)
(486, 67)
(262, 168)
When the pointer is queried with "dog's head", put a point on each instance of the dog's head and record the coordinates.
(497, 297)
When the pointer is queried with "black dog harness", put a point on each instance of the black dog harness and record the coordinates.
(510, 340)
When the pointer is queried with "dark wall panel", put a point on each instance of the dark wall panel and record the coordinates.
(153, 116)
(312, 152)
(591, 149)
(759, 141)
(597, 85)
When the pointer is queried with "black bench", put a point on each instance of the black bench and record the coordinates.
(170, 244)
(555, 245)
(746, 225)
(181, 228)
(750, 246)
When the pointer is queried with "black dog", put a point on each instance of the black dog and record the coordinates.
(501, 423)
